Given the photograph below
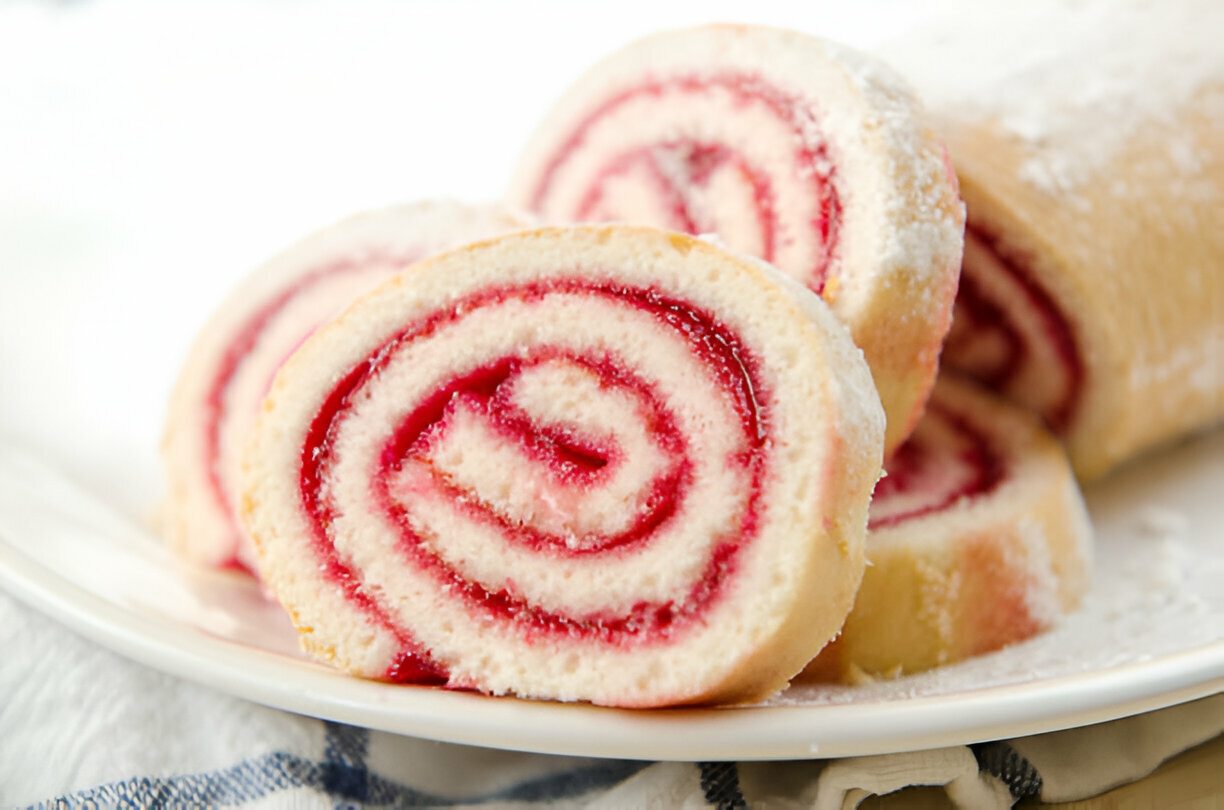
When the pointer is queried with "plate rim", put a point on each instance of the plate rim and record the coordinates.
(768, 732)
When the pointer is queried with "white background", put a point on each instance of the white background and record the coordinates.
(153, 153)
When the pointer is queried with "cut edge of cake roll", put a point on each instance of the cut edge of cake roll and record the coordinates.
(217, 396)
(802, 152)
(1092, 289)
(978, 539)
(607, 463)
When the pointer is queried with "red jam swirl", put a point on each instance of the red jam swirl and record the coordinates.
(567, 457)
(717, 348)
(810, 159)
(699, 160)
(978, 314)
(237, 351)
(923, 460)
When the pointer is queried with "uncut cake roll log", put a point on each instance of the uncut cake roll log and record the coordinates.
(1093, 281)
(608, 464)
(786, 147)
(217, 395)
(978, 539)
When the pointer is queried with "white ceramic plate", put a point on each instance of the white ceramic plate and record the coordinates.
(136, 197)
(1151, 635)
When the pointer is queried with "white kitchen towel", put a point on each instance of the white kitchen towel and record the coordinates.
(83, 727)
(1087, 761)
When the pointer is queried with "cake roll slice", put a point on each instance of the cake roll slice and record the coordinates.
(235, 355)
(786, 147)
(1093, 282)
(978, 539)
(608, 463)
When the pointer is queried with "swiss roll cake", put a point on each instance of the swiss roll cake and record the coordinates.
(605, 463)
(809, 155)
(1093, 279)
(217, 395)
(978, 538)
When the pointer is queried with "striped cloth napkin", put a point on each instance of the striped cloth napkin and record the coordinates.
(82, 727)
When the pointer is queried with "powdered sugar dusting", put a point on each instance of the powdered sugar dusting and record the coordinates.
(1199, 364)
(1156, 588)
(928, 237)
(1159, 521)
(1074, 82)
(1041, 597)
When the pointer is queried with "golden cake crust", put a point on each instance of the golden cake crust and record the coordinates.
(1130, 250)
(978, 575)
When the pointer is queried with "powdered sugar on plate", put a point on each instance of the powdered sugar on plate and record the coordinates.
(1156, 592)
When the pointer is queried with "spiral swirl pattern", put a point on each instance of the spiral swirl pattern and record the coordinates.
(763, 179)
(1009, 333)
(235, 356)
(978, 538)
(786, 147)
(546, 465)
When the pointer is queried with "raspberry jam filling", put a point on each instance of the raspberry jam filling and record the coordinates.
(236, 353)
(944, 462)
(678, 169)
(566, 454)
(680, 174)
(988, 340)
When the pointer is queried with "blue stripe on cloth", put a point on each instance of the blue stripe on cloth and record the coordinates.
(569, 784)
(341, 777)
(248, 780)
(1000, 759)
(720, 785)
(344, 771)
